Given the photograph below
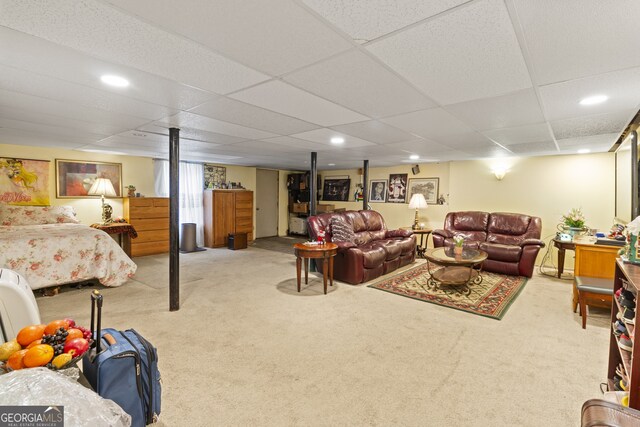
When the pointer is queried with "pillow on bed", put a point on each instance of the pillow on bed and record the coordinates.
(36, 215)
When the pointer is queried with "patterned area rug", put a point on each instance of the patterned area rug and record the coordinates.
(491, 298)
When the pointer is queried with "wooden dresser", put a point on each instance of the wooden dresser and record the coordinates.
(227, 211)
(150, 217)
(597, 261)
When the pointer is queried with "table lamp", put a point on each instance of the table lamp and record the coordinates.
(417, 202)
(103, 187)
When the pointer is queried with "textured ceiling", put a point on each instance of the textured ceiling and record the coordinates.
(264, 83)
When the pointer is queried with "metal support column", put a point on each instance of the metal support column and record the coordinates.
(313, 185)
(174, 219)
(365, 185)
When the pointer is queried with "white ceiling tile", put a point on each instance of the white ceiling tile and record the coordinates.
(357, 81)
(537, 148)
(71, 93)
(575, 38)
(323, 136)
(467, 141)
(286, 99)
(102, 31)
(296, 144)
(487, 152)
(61, 130)
(249, 115)
(368, 20)
(192, 134)
(375, 131)
(195, 121)
(562, 100)
(39, 138)
(600, 142)
(467, 54)
(515, 109)
(521, 134)
(432, 124)
(592, 125)
(275, 36)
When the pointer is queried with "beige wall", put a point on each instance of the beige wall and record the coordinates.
(136, 171)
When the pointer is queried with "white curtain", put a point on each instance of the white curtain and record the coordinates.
(191, 189)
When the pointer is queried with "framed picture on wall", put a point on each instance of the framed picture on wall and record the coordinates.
(336, 189)
(24, 181)
(378, 190)
(214, 176)
(74, 178)
(428, 187)
(397, 188)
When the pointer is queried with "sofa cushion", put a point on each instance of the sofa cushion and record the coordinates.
(508, 223)
(498, 252)
(469, 221)
(341, 231)
(407, 245)
(391, 247)
(372, 255)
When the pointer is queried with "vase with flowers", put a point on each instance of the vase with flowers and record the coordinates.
(573, 222)
(459, 241)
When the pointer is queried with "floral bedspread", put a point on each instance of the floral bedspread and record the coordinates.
(53, 254)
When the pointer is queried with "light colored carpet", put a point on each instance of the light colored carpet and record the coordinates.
(246, 349)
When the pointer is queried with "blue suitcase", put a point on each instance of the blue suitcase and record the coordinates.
(123, 366)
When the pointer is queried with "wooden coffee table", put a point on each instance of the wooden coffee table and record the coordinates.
(458, 272)
(326, 252)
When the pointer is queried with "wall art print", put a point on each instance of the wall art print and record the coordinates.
(214, 176)
(397, 188)
(378, 190)
(427, 186)
(24, 181)
(336, 189)
(74, 178)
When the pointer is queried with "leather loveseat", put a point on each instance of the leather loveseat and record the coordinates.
(511, 240)
(374, 250)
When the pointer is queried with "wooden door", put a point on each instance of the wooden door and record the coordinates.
(266, 203)
(224, 217)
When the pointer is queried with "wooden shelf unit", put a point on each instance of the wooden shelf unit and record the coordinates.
(225, 212)
(627, 276)
(150, 217)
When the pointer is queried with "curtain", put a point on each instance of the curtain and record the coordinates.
(191, 192)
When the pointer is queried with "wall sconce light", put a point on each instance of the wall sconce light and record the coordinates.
(499, 173)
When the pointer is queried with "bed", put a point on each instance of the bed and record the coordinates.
(59, 251)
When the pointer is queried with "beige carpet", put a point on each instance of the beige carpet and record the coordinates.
(246, 349)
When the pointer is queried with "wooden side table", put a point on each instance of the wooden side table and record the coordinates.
(326, 252)
(562, 247)
(125, 233)
(422, 232)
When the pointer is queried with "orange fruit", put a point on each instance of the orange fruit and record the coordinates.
(36, 342)
(15, 360)
(38, 355)
(52, 327)
(74, 333)
(29, 334)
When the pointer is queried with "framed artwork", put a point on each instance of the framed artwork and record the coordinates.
(397, 188)
(336, 189)
(24, 181)
(75, 177)
(214, 176)
(378, 190)
(427, 186)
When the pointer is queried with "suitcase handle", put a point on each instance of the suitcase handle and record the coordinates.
(109, 339)
(96, 318)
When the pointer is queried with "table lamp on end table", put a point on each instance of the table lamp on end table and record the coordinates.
(417, 202)
(104, 187)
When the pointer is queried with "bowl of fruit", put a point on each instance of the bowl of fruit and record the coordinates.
(57, 345)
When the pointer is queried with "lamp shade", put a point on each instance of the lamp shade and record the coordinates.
(418, 202)
(102, 187)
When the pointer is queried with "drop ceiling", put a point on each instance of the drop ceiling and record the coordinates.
(264, 83)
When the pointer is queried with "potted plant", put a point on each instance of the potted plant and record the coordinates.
(459, 241)
(574, 221)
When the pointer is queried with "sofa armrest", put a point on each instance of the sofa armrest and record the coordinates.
(527, 242)
(444, 233)
(398, 233)
(345, 245)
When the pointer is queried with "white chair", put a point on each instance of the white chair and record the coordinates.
(18, 306)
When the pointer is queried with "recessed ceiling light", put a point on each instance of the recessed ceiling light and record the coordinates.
(116, 81)
(331, 164)
(584, 151)
(592, 100)
(414, 157)
(337, 140)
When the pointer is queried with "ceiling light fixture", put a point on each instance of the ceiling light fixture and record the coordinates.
(592, 100)
(116, 81)
(337, 140)
(414, 157)
(331, 164)
(584, 151)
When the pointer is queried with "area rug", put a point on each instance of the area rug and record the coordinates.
(491, 298)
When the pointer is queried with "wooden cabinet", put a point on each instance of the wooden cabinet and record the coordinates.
(225, 212)
(595, 261)
(627, 276)
(150, 217)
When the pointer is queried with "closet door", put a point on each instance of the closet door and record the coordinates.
(224, 217)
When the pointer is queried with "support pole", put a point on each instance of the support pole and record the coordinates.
(365, 185)
(313, 190)
(174, 219)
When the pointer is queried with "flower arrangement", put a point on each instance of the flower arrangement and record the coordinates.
(459, 241)
(574, 219)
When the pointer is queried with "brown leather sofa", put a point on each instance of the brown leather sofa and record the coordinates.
(511, 240)
(376, 250)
